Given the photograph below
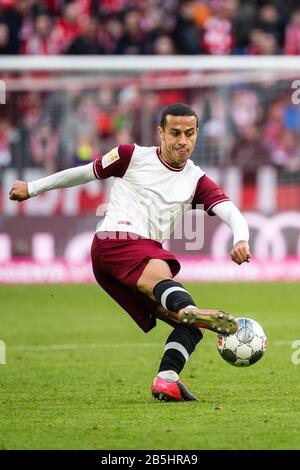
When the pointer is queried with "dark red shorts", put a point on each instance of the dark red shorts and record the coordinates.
(118, 261)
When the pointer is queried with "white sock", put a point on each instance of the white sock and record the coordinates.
(169, 375)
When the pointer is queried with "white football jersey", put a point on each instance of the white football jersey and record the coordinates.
(149, 196)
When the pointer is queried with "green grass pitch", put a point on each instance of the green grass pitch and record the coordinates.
(78, 374)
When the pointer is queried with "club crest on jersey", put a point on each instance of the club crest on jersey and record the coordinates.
(110, 158)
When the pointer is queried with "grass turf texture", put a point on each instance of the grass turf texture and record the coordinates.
(79, 372)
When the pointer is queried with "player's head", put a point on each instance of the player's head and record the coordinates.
(178, 132)
(176, 109)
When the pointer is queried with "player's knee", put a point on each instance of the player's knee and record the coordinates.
(155, 271)
(147, 284)
(145, 288)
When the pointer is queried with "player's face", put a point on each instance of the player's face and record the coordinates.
(178, 139)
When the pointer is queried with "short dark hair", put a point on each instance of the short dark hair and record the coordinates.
(177, 109)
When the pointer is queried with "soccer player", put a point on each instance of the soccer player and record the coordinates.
(128, 259)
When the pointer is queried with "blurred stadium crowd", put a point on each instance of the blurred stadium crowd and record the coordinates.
(248, 125)
(253, 27)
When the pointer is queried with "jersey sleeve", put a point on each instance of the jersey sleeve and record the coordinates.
(114, 163)
(63, 179)
(208, 194)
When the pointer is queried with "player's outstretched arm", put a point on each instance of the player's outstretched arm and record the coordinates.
(231, 215)
(22, 190)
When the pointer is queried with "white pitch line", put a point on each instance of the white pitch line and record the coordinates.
(62, 347)
(68, 347)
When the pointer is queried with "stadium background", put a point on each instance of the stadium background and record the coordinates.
(57, 116)
(236, 63)
(248, 143)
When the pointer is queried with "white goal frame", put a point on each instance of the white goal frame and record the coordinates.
(144, 63)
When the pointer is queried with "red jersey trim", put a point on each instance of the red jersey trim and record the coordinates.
(209, 194)
(167, 165)
(95, 170)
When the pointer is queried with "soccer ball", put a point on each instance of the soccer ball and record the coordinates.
(246, 346)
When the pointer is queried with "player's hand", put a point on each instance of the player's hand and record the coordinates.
(19, 191)
(240, 253)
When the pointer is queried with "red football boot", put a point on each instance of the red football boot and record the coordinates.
(170, 390)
